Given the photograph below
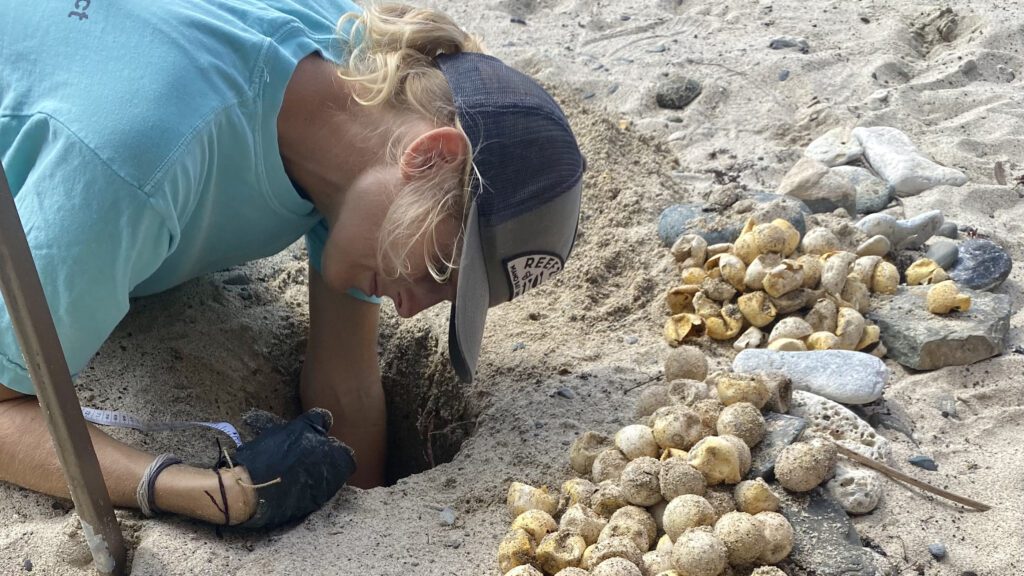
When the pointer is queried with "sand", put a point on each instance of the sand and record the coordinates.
(234, 340)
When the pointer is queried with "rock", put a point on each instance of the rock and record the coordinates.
(944, 252)
(924, 462)
(26, 565)
(781, 430)
(875, 246)
(840, 375)
(902, 234)
(677, 93)
(566, 393)
(783, 42)
(722, 223)
(938, 551)
(825, 543)
(921, 340)
(447, 516)
(783, 75)
(982, 265)
(833, 420)
(895, 158)
(827, 193)
(947, 230)
(858, 490)
(872, 195)
(835, 148)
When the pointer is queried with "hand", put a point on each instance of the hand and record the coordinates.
(295, 465)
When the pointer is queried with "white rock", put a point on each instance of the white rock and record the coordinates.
(895, 158)
(877, 245)
(858, 490)
(833, 420)
(835, 148)
(909, 233)
(751, 338)
(841, 375)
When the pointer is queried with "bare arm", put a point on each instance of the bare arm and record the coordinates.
(27, 459)
(342, 374)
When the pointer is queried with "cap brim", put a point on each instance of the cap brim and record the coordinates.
(472, 299)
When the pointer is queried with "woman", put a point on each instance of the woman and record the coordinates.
(149, 143)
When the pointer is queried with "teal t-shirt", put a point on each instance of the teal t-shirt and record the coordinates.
(140, 142)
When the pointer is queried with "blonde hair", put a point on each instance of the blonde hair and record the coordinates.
(391, 65)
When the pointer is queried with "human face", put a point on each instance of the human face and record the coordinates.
(350, 256)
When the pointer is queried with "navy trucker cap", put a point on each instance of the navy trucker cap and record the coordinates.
(526, 193)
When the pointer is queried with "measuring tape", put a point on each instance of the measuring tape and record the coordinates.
(122, 420)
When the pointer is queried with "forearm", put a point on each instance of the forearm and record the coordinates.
(28, 459)
(360, 416)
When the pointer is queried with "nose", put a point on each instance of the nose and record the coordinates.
(412, 301)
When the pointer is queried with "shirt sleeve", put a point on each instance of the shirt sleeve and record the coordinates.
(93, 237)
(316, 238)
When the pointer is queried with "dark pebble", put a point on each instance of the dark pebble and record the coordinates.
(657, 49)
(566, 393)
(924, 462)
(518, 346)
(938, 551)
(237, 279)
(625, 17)
(947, 230)
(677, 94)
(519, 21)
(784, 42)
(783, 75)
(981, 265)
(27, 565)
(724, 225)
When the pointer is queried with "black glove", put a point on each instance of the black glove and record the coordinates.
(311, 465)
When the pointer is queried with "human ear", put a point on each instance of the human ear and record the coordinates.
(437, 148)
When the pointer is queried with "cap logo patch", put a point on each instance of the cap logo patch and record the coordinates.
(528, 271)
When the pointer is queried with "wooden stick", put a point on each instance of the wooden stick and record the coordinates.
(44, 357)
(897, 475)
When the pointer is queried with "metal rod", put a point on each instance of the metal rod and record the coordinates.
(44, 358)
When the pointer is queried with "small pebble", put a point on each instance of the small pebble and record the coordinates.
(566, 393)
(790, 42)
(944, 252)
(625, 17)
(947, 230)
(657, 49)
(924, 462)
(938, 551)
(632, 339)
(447, 515)
(27, 565)
(678, 93)
(518, 346)
(783, 75)
(516, 20)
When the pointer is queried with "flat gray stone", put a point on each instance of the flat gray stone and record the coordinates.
(781, 430)
(918, 339)
(677, 93)
(719, 223)
(872, 193)
(825, 543)
(840, 375)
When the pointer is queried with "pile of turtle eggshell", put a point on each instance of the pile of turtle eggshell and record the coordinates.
(666, 496)
(816, 300)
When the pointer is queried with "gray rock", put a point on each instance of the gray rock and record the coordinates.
(902, 234)
(826, 194)
(447, 516)
(825, 543)
(840, 375)
(677, 93)
(872, 194)
(835, 148)
(982, 265)
(947, 230)
(875, 246)
(921, 340)
(944, 252)
(783, 42)
(895, 158)
(938, 551)
(781, 431)
(924, 462)
(722, 223)
(783, 75)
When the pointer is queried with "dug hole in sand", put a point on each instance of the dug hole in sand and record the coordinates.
(222, 344)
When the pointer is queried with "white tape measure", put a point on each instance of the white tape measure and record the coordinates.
(122, 420)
